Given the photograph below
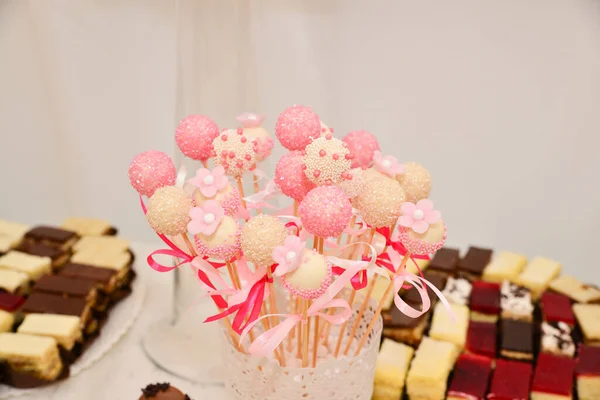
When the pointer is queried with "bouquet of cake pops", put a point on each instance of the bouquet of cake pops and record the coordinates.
(285, 278)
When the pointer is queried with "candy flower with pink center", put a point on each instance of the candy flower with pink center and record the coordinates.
(288, 255)
(209, 183)
(418, 216)
(388, 165)
(205, 219)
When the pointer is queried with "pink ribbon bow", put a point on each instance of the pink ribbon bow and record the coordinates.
(420, 285)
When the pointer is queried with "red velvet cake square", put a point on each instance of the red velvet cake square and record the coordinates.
(511, 381)
(557, 308)
(481, 338)
(471, 377)
(10, 302)
(485, 297)
(588, 373)
(553, 376)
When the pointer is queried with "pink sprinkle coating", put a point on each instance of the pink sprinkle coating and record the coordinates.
(151, 170)
(264, 148)
(326, 162)
(195, 135)
(416, 244)
(296, 126)
(290, 177)
(235, 152)
(325, 211)
(221, 251)
(362, 146)
(311, 294)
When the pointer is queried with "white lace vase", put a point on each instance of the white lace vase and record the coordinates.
(344, 378)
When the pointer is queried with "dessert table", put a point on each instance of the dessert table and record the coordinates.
(123, 371)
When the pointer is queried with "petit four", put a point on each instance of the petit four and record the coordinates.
(14, 281)
(65, 329)
(33, 266)
(162, 391)
(58, 256)
(553, 378)
(54, 237)
(557, 339)
(68, 287)
(504, 266)
(391, 368)
(11, 234)
(101, 244)
(515, 302)
(481, 338)
(119, 261)
(471, 377)
(11, 302)
(485, 301)
(403, 328)
(587, 373)
(445, 261)
(471, 266)
(31, 354)
(458, 291)
(88, 226)
(575, 290)
(517, 340)
(430, 368)
(443, 327)
(44, 303)
(538, 274)
(588, 317)
(556, 307)
(106, 278)
(6, 244)
(511, 381)
(7, 320)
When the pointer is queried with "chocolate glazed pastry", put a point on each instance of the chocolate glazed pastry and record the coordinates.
(20, 380)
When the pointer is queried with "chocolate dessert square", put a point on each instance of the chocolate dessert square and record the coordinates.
(445, 261)
(557, 339)
(458, 291)
(412, 296)
(515, 302)
(553, 376)
(10, 302)
(471, 266)
(511, 381)
(517, 340)
(587, 372)
(44, 303)
(67, 287)
(557, 308)
(485, 301)
(471, 376)
(58, 256)
(54, 237)
(400, 327)
(107, 278)
(481, 338)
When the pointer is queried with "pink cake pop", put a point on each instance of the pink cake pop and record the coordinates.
(379, 202)
(214, 185)
(362, 146)
(325, 211)
(168, 210)
(195, 135)
(217, 235)
(151, 170)
(296, 126)
(311, 278)
(421, 228)
(235, 152)
(254, 130)
(260, 235)
(290, 177)
(327, 161)
(416, 182)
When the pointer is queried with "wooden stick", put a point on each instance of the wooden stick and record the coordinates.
(344, 325)
(240, 186)
(189, 244)
(274, 310)
(204, 163)
(292, 334)
(388, 291)
(315, 342)
(295, 208)
(300, 325)
(305, 329)
(256, 190)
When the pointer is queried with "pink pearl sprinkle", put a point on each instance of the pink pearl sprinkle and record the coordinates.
(231, 154)
(240, 131)
(224, 138)
(224, 153)
(303, 167)
(328, 136)
(239, 164)
(243, 139)
(335, 156)
(316, 173)
(248, 157)
(322, 153)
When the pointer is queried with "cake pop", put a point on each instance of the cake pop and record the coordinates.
(253, 129)
(235, 152)
(311, 278)
(260, 236)
(421, 228)
(354, 184)
(290, 177)
(228, 198)
(168, 210)
(151, 170)
(362, 145)
(379, 202)
(326, 161)
(214, 185)
(195, 135)
(387, 165)
(162, 391)
(296, 126)
(217, 235)
(326, 211)
(416, 182)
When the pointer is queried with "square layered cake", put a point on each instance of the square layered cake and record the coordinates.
(557, 308)
(430, 368)
(517, 340)
(446, 329)
(471, 376)
(471, 266)
(403, 328)
(391, 368)
(588, 317)
(485, 301)
(445, 261)
(481, 338)
(458, 291)
(515, 302)
(575, 289)
(504, 266)
(511, 381)
(553, 378)
(587, 372)
(538, 274)
(557, 339)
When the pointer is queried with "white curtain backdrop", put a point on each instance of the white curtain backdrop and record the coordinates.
(500, 100)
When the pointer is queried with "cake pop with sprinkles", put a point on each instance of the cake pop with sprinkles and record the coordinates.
(260, 236)
(151, 170)
(235, 152)
(416, 182)
(168, 210)
(253, 129)
(325, 211)
(296, 126)
(355, 184)
(217, 235)
(379, 202)
(195, 135)
(311, 278)
(362, 145)
(421, 228)
(290, 176)
(327, 161)
(214, 185)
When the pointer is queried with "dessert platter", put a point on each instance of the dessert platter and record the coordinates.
(67, 295)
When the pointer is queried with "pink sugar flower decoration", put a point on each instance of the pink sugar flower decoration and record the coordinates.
(418, 216)
(250, 120)
(288, 255)
(205, 219)
(209, 182)
(388, 165)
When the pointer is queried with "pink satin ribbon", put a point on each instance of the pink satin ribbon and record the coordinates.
(267, 342)
(420, 285)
